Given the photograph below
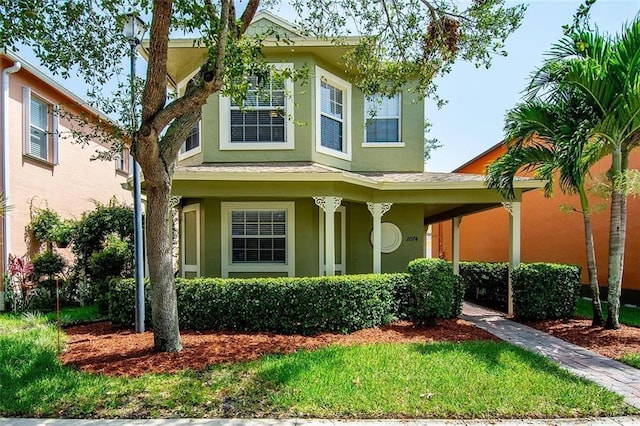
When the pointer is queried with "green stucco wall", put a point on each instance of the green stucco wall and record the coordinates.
(408, 217)
(407, 158)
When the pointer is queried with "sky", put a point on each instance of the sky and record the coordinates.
(473, 119)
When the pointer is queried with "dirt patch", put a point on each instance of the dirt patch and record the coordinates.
(610, 343)
(110, 350)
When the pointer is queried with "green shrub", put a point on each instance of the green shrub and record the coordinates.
(47, 264)
(486, 283)
(113, 261)
(435, 292)
(43, 221)
(285, 305)
(545, 290)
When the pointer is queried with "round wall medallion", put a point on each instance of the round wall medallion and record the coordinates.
(391, 237)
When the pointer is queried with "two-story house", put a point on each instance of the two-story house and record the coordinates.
(304, 180)
(42, 165)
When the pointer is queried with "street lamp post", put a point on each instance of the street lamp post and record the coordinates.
(134, 30)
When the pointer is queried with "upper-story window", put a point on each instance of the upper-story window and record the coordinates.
(333, 99)
(265, 118)
(382, 115)
(123, 161)
(191, 145)
(41, 123)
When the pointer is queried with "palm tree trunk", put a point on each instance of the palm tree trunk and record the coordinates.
(616, 240)
(592, 270)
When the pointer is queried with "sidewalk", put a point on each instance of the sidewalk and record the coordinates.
(613, 375)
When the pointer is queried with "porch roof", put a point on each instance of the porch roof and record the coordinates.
(309, 171)
(443, 195)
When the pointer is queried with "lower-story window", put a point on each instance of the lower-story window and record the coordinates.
(258, 237)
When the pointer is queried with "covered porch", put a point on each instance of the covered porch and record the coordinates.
(338, 221)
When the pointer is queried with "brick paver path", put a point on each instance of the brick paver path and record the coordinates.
(613, 375)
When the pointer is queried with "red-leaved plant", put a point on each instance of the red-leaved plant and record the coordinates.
(21, 271)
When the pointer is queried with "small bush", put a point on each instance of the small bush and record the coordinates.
(47, 264)
(545, 290)
(435, 292)
(486, 283)
(43, 221)
(284, 305)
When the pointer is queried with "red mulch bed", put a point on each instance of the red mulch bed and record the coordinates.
(110, 350)
(610, 343)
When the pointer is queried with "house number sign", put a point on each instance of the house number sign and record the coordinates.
(411, 239)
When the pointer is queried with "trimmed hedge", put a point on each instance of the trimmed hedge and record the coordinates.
(486, 283)
(545, 290)
(284, 305)
(434, 292)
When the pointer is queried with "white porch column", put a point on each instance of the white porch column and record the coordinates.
(329, 206)
(377, 211)
(514, 246)
(455, 244)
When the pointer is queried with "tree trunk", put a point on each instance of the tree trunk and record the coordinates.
(164, 303)
(592, 269)
(616, 241)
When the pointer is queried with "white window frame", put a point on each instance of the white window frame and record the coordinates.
(225, 121)
(52, 127)
(184, 268)
(367, 111)
(337, 82)
(226, 264)
(342, 266)
(193, 151)
(122, 165)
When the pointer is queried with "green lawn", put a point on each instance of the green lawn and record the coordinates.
(75, 315)
(438, 380)
(628, 315)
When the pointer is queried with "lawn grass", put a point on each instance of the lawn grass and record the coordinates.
(431, 380)
(628, 315)
(75, 315)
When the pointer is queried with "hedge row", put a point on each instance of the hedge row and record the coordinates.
(545, 290)
(486, 283)
(347, 303)
(540, 290)
(305, 305)
(287, 305)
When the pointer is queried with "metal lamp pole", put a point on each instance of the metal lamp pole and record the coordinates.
(134, 31)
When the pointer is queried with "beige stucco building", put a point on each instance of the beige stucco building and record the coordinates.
(42, 165)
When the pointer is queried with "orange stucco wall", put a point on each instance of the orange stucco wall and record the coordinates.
(68, 187)
(548, 234)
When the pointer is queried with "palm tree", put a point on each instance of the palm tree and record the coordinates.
(549, 139)
(606, 71)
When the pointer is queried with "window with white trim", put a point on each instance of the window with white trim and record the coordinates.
(333, 103)
(382, 115)
(191, 145)
(265, 118)
(258, 237)
(41, 123)
(123, 161)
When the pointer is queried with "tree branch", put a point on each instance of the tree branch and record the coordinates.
(248, 14)
(154, 96)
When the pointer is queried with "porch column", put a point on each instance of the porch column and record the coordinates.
(329, 206)
(377, 211)
(455, 244)
(514, 246)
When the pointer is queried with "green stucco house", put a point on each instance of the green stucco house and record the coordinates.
(304, 181)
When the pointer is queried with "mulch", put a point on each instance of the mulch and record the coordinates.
(610, 343)
(117, 351)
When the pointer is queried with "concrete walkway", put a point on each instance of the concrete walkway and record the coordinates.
(613, 375)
